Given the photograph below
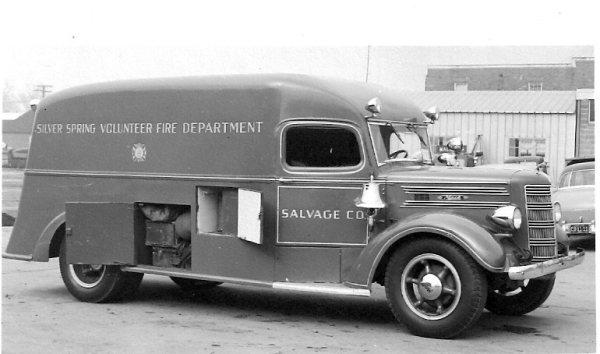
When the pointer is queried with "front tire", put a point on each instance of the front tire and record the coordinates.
(435, 288)
(96, 282)
(522, 300)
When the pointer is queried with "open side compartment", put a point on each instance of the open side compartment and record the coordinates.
(158, 234)
(167, 230)
(230, 211)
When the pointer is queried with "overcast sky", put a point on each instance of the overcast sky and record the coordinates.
(398, 67)
(66, 43)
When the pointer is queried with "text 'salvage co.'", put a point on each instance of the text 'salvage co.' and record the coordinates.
(326, 214)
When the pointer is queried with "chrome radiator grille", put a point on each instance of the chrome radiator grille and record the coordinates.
(542, 241)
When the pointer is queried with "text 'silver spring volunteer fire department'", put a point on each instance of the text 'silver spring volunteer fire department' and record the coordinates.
(279, 181)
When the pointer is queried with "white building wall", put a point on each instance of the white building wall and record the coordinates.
(497, 128)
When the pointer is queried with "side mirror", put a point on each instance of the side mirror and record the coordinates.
(455, 144)
(373, 106)
(433, 113)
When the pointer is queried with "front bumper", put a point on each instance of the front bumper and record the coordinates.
(548, 267)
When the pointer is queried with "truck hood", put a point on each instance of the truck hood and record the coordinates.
(443, 174)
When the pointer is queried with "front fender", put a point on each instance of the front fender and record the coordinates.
(473, 238)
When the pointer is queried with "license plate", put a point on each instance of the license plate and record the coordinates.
(579, 229)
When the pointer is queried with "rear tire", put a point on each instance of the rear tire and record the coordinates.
(522, 300)
(435, 288)
(97, 283)
(194, 284)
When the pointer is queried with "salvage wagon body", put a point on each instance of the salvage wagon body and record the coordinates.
(196, 133)
(273, 180)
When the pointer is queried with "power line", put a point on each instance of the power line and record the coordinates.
(44, 89)
(368, 59)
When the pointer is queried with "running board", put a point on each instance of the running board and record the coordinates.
(322, 288)
(176, 272)
(315, 288)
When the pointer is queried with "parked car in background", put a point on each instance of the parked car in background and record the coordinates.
(573, 201)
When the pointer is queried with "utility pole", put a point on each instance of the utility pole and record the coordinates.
(368, 59)
(44, 89)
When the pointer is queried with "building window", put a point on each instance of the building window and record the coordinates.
(526, 147)
(461, 86)
(535, 86)
(585, 110)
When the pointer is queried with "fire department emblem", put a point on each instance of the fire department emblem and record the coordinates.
(138, 152)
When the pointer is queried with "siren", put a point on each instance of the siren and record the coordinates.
(370, 198)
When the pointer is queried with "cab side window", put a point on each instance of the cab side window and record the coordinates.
(321, 146)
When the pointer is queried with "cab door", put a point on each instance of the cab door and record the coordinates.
(319, 227)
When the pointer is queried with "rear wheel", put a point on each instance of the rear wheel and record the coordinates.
(521, 300)
(194, 284)
(435, 288)
(97, 282)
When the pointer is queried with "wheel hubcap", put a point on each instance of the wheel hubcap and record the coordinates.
(431, 286)
(87, 275)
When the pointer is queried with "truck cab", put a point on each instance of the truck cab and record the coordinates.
(279, 181)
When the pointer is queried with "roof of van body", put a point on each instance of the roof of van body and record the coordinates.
(303, 90)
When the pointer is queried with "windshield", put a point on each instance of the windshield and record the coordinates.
(582, 178)
(400, 142)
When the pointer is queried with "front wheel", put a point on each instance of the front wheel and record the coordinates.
(97, 282)
(519, 301)
(435, 288)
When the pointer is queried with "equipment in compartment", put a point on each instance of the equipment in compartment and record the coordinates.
(168, 232)
(183, 226)
(160, 234)
(162, 212)
(164, 257)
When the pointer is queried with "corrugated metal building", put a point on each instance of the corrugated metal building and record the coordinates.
(510, 123)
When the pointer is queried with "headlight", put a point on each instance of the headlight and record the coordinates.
(557, 212)
(517, 218)
(508, 216)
